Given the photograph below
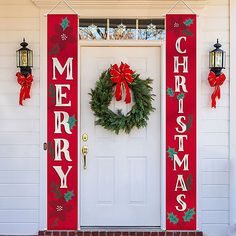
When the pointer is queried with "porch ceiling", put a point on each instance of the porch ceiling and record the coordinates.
(96, 3)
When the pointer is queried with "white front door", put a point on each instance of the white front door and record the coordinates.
(121, 185)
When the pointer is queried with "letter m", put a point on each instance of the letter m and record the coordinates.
(60, 69)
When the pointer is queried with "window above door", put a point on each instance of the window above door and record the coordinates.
(121, 29)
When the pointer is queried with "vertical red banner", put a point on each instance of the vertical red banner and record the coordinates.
(62, 118)
(181, 86)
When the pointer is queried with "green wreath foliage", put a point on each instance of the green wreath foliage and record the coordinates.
(138, 116)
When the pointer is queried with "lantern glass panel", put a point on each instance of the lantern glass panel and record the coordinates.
(17, 58)
(212, 59)
(219, 59)
(23, 58)
(30, 58)
(224, 60)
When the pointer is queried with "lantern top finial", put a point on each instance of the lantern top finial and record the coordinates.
(217, 45)
(24, 44)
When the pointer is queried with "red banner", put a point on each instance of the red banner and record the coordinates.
(181, 122)
(62, 118)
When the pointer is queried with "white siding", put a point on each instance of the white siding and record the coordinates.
(214, 126)
(19, 126)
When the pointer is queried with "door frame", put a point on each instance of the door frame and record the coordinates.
(132, 43)
(43, 115)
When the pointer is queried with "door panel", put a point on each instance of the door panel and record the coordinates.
(121, 185)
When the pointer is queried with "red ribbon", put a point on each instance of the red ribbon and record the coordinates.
(215, 81)
(122, 76)
(25, 82)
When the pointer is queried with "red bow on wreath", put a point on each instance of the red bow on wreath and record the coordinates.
(215, 81)
(122, 76)
(25, 83)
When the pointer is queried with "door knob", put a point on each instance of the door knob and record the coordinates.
(85, 152)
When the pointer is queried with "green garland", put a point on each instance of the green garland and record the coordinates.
(102, 95)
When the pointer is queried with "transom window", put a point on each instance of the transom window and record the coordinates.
(121, 29)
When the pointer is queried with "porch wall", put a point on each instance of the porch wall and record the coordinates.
(19, 126)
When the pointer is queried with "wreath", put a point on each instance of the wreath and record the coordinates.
(123, 79)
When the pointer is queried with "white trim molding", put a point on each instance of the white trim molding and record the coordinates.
(124, 3)
(232, 114)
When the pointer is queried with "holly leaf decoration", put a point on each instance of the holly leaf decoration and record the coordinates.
(188, 215)
(180, 96)
(170, 92)
(68, 196)
(189, 123)
(55, 189)
(51, 150)
(173, 218)
(64, 23)
(171, 152)
(187, 32)
(72, 121)
(189, 181)
(188, 22)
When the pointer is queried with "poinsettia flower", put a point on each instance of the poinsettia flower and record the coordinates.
(59, 209)
(177, 25)
(61, 39)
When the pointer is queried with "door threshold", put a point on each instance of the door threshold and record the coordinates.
(121, 228)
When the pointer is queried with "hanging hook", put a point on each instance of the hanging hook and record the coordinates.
(174, 6)
(67, 4)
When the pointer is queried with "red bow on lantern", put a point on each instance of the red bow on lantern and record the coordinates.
(122, 76)
(25, 83)
(215, 81)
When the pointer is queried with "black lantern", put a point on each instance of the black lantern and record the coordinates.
(24, 59)
(217, 59)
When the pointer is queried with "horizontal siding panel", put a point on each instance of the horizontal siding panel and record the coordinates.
(19, 126)
(19, 216)
(222, 102)
(11, 61)
(21, 112)
(214, 178)
(214, 126)
(12, 36)
(215, 24)
(19, 190)
(10, 11)
(19, 228)
(18, 203)
(207, 90)
(214, 152)
(19, 177)
(215, 139)
(214, 165)
(221, 113)
(215, 204)
(12, 87)
(215, 229)
(15, 2)
(25, 164)
(220, 217)
(9, 49)
(19, 151)
(221, 191)
(210, 12)
(204, 76)
(19, 138)
(13, 100)
(9, 74)
(8, 24)
(205, 60)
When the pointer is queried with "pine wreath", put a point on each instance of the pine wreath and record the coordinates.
(102, 95)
